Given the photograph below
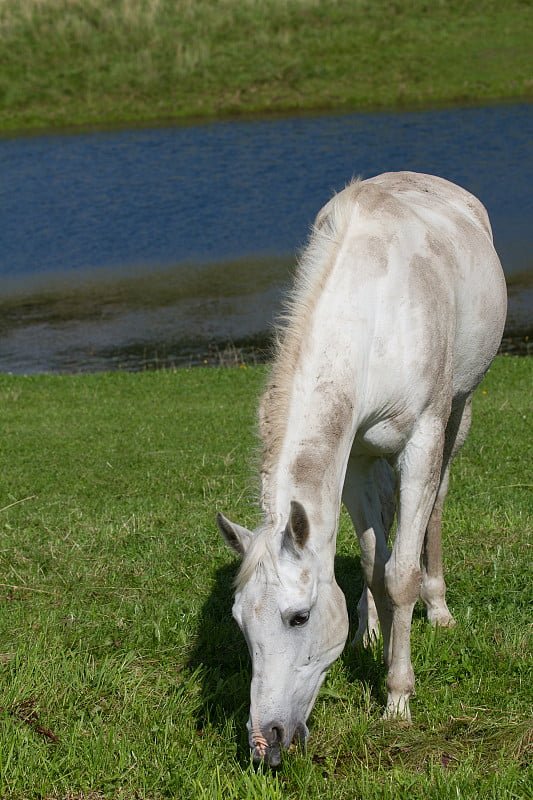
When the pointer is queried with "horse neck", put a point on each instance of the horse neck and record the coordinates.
(307, 416)
(307, 461)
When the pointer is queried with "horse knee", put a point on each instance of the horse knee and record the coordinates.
(402, 583)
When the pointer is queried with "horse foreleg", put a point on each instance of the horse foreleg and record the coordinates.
(419, 468)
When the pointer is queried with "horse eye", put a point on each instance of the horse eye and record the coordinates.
(299, 619)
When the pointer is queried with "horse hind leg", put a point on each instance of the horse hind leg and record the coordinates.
(369, 496)
(367, 614)
(433, 588)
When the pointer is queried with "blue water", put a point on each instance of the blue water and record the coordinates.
(223, 190)
(126, 200)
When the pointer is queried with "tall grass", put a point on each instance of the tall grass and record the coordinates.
(122, 674)
(93, 61)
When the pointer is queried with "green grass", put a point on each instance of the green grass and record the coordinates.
(122, 673)
(92, 62)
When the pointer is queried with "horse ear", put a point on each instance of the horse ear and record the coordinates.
(297, 530)
(236, 536)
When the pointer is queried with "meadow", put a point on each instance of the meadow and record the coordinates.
(122, 673)
(92, 62)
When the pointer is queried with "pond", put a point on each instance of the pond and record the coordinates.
(137, 248)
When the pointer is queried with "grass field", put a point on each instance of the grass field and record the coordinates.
(92, 62)
(122, 674)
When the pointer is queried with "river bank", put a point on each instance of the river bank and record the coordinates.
(173, 319)
(68, 63)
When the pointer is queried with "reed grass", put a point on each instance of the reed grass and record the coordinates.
(122, 674)
(92, 62)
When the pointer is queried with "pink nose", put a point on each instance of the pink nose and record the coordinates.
(267, 746)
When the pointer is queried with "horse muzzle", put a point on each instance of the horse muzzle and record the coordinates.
(267, 745)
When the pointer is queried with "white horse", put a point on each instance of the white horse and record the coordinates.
(397, 312)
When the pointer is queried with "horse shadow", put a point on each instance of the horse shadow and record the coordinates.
(220, 656)
(363, 665)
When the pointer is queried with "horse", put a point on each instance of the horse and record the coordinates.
(396, 312)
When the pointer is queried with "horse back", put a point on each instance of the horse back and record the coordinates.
(416, 279)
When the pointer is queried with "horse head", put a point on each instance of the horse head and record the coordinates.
(294, 619)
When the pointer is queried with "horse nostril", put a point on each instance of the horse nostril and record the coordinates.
(277, 734)
(267, 743)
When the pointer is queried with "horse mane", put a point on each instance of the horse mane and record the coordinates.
(261, 548)
(313, 269)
